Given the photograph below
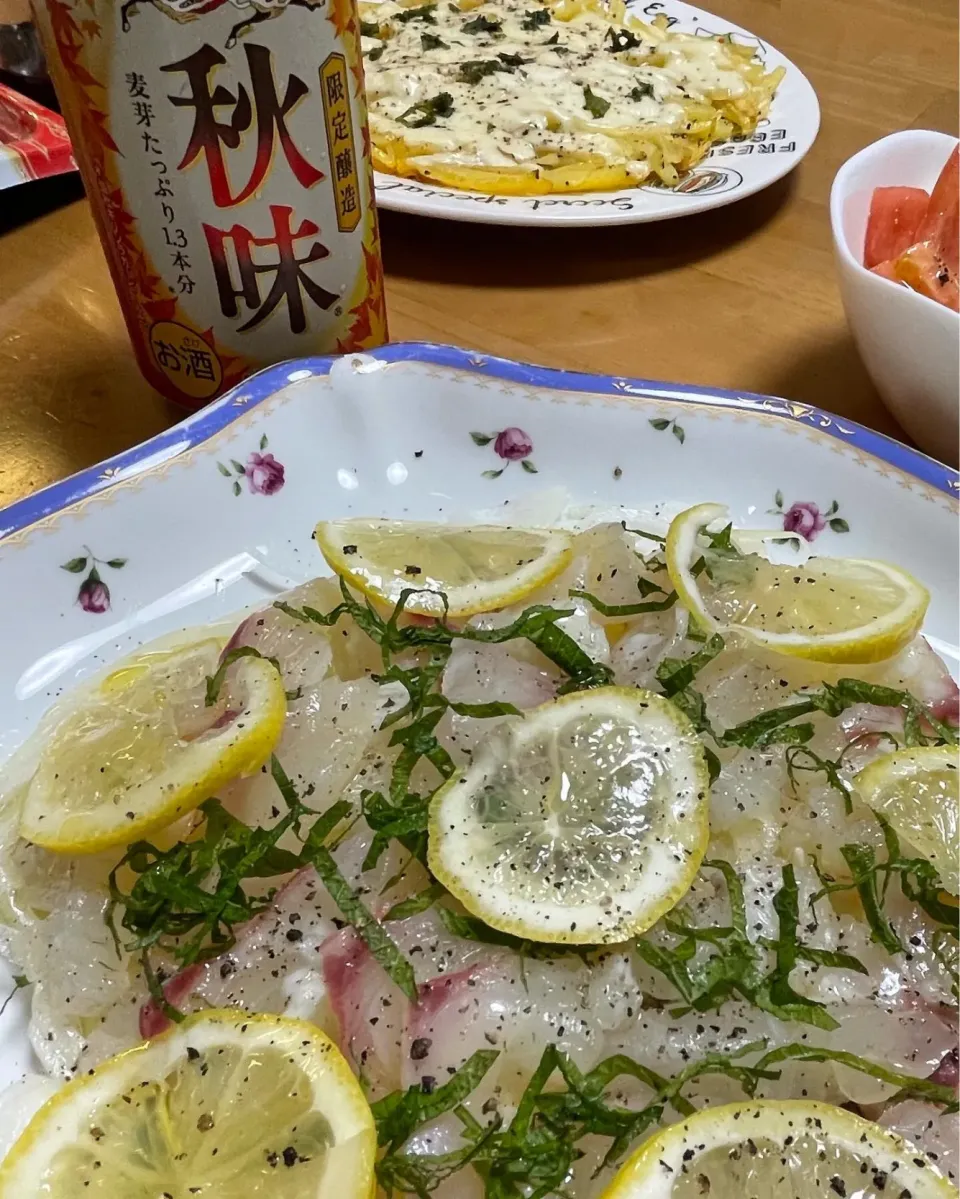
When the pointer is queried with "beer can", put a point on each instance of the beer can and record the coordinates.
(224, 149)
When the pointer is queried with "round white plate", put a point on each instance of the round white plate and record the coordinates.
(730, 171)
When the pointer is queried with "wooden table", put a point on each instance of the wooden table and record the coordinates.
(743, 297)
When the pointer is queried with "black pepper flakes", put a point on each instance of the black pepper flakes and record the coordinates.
(420, 1048)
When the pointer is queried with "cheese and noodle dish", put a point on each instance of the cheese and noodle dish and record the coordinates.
(501, 862)
(517, 98)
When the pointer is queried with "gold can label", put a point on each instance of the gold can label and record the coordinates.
(225, 151)
(336, 112)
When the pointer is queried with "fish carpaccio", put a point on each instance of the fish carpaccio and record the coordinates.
(300, 956)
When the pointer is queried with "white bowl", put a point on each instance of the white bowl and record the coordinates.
(909, 344)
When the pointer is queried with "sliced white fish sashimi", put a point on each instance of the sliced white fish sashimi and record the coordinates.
(274, 966)
(302, 650)
(921, 672)
(926, 1126)
(301, 957)
(327, 733)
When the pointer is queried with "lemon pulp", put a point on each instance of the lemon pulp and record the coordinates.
(581, 824)
(918, 791)
(227, 1105)
(777, 1149)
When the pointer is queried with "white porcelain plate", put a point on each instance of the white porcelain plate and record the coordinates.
(217, 513)
(730, 171)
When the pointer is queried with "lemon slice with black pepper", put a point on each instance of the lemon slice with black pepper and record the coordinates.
(226, 1105)
(581, 824)
(142, 747)
(918, 791)
(780, 1149)
(478, 568)
(827, 609)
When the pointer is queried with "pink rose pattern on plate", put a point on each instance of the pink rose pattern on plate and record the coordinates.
(93, 595)
(805, 518)
(264, 475)
(510, 444)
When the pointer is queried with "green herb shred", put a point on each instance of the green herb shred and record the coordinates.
(423, 13)
(427, 111)
(513, 60)
(214, 682)
(871, 879)
(738, 966)
(533, 1153)
(621, 39)
(188, 900)
(594, 104)
(482, 24)
(477, 69)
(535, 18)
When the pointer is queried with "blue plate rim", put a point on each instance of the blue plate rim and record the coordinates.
(199, 427)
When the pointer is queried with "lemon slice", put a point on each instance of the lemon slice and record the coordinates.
(583, 823)
(827, 609)
(918, 791)
(226, 1105)
(140, 748)
(780, 1149)
(478, 568)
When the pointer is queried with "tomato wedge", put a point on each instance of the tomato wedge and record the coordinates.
(922, 268)
(941, 224)
(888, 270)
(914, 238)
(895, 216)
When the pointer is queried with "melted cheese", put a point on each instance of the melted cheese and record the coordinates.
(569, 98)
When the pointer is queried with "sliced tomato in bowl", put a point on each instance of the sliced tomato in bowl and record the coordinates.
(914, 238)
(941, 223)
(888, 270)
(922, 269)
(895, 216)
